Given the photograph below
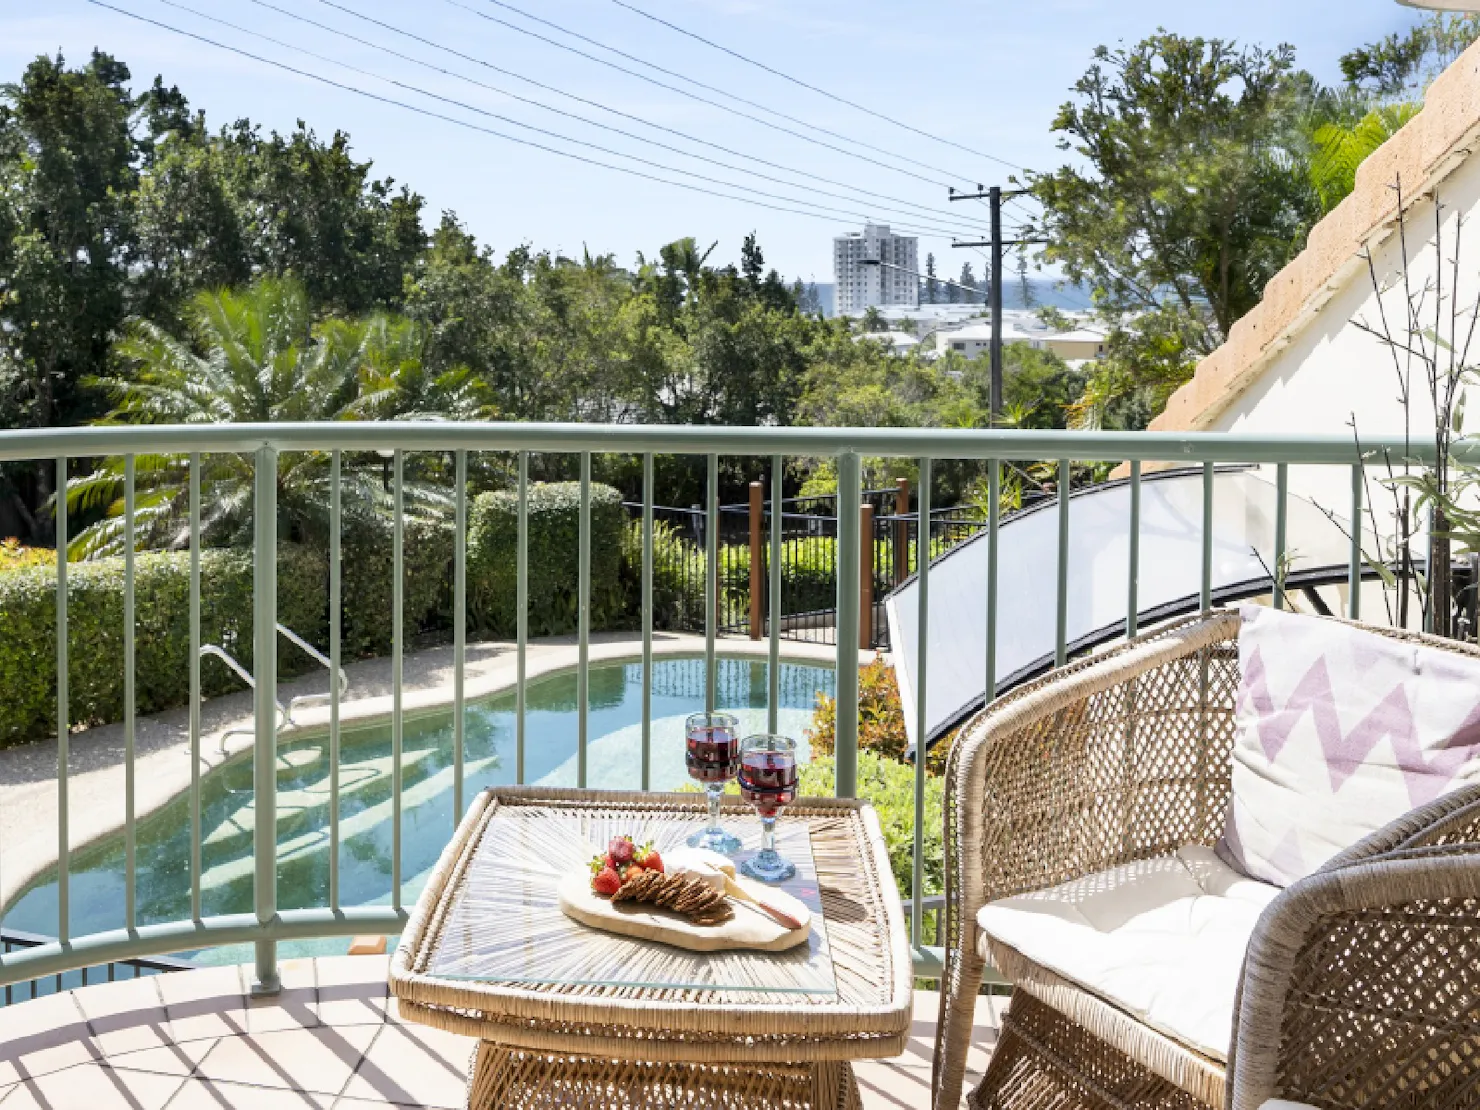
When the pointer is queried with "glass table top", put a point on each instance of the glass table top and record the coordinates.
(504, 923)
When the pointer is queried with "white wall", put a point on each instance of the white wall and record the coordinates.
(1333, 373)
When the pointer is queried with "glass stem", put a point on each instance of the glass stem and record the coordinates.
(768, 836)
(714, 792)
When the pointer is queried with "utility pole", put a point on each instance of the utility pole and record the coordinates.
(994, 197)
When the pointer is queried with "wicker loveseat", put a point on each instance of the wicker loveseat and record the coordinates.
(1357, 986)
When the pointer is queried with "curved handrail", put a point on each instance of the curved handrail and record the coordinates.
(266, 924)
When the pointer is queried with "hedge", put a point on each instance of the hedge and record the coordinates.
(162, 604)
(366, 560)
(554, 534)
(162, 632)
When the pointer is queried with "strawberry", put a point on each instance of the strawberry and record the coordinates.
(606, 882)
(649, 858)
(621, 849)
(631, 871)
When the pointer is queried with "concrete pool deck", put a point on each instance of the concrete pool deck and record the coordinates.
(28, 772)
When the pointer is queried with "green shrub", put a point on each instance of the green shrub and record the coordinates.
(678, 575)
(554, 535)
(367, 558)
(889, 786)
(162, 633)
(881, 725)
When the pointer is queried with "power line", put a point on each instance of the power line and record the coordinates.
(803, 84)
(928, 214)
(427, 112)
(531, 127)
(702, 99)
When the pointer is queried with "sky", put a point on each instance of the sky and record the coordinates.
(982, 79)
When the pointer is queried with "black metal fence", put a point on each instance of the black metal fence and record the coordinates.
(809, 570)
(24, 991)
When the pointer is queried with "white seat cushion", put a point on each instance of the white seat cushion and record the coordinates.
(1163, 939)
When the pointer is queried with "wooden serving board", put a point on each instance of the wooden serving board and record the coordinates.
(749, 928)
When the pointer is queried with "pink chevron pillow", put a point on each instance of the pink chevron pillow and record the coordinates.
(1338, 732)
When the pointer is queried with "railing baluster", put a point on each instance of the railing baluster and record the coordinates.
(1354, 571)
(130, 702)
(583, 621)
(336, 606)
(994, 520)
(64, 852)
(922, 593)
(1281, 497)
(1133, 556)
(459, 629)
(195, 588)
(849, 564)
(773, 668)
(1061, 622)
(647, 620)
(1207, 538)
(264, 754)
(398, 630)
(711, 579)
(521, 617)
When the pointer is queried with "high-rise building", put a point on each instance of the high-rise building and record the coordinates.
(860, 285)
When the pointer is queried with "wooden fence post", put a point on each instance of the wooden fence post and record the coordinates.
(866, 578)
(901, 530)
(757, 572)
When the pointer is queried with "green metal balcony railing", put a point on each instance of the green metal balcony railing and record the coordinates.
(266, 926)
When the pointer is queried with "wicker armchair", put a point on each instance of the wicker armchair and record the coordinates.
(1360, 985)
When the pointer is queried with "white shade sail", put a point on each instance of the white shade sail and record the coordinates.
(1169, 582)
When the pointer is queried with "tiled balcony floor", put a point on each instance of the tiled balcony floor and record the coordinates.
(329, 1040)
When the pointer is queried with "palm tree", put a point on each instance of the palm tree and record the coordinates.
(257, 356)
(1339, 148)
(394, 381)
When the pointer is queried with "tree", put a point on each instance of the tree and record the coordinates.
(473, 311)
(932, 286)
(1025, 286)
(1339, 149)
(968, 279)
(1400, 65)
(752, 262)
(66, 171)
(1193, 198)
(313, 211)
(254, 356)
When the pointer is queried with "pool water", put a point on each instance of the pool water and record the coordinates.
(614, 761)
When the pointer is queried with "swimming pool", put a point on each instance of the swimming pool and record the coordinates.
(427, 819)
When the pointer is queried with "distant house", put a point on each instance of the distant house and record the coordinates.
(1298, 362)
(900, 342)
(975, 339)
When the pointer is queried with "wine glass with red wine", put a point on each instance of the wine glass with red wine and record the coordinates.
(768, 781)
(713, 757)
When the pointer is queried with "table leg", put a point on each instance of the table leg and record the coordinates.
(833, 1086)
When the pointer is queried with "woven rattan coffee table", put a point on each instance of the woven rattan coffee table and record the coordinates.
(573, 1017)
